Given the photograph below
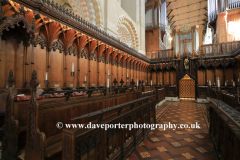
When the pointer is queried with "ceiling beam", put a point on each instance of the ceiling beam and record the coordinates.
(189, 12)
(171, 18)
(178, 19)
(172, 23)
(169, 13)
(169, 4)
(187, 5)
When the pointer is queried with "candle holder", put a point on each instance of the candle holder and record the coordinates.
(46, 82)
(137, 85)
(234, 84)
(210, 88)
(73, 75)
(108, 84)
(85, 82)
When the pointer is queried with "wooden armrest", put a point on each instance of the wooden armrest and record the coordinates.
(53, 149)
(22, 128)
(54, 139)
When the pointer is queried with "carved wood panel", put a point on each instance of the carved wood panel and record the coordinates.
(187, 87)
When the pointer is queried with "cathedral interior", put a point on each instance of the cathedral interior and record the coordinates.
(162, 75)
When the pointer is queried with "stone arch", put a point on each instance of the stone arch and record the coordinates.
(128, 24)
(80, 8)
(90, 10)
(125, 36)
(98, 12)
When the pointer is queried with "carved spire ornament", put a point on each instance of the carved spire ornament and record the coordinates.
(10, 78)
(35, 138)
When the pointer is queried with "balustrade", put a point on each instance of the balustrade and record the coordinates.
(160, 55)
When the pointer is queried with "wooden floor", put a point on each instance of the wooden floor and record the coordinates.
(179, 144)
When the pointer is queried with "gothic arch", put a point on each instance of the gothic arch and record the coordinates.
(124, 22)
(80, 8)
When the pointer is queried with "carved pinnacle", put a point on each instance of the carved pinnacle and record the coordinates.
(10, 78)
(34, 82)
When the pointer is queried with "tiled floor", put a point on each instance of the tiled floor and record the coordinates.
(179, 144)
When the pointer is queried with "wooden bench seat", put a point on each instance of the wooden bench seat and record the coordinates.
(54, 146)
(17, 114)
(53, 150)
(43, 137)
(112, 144)
(18, 119)
(224, 129)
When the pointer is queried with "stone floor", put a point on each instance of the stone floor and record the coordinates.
(179, 144)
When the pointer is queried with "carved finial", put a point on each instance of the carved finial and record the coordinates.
(34, 82)
(33, 24)
(22, 11)
(121, 82)
(132, 83)
(10, 78)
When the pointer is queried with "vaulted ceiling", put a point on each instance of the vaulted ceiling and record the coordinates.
(193, 12)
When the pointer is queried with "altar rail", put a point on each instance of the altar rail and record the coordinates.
(113, 144)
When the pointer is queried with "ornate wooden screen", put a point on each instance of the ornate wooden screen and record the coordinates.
(187, 87)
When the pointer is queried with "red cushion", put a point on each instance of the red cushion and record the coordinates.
(27, 98)
(78, 94)
(57, 96)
